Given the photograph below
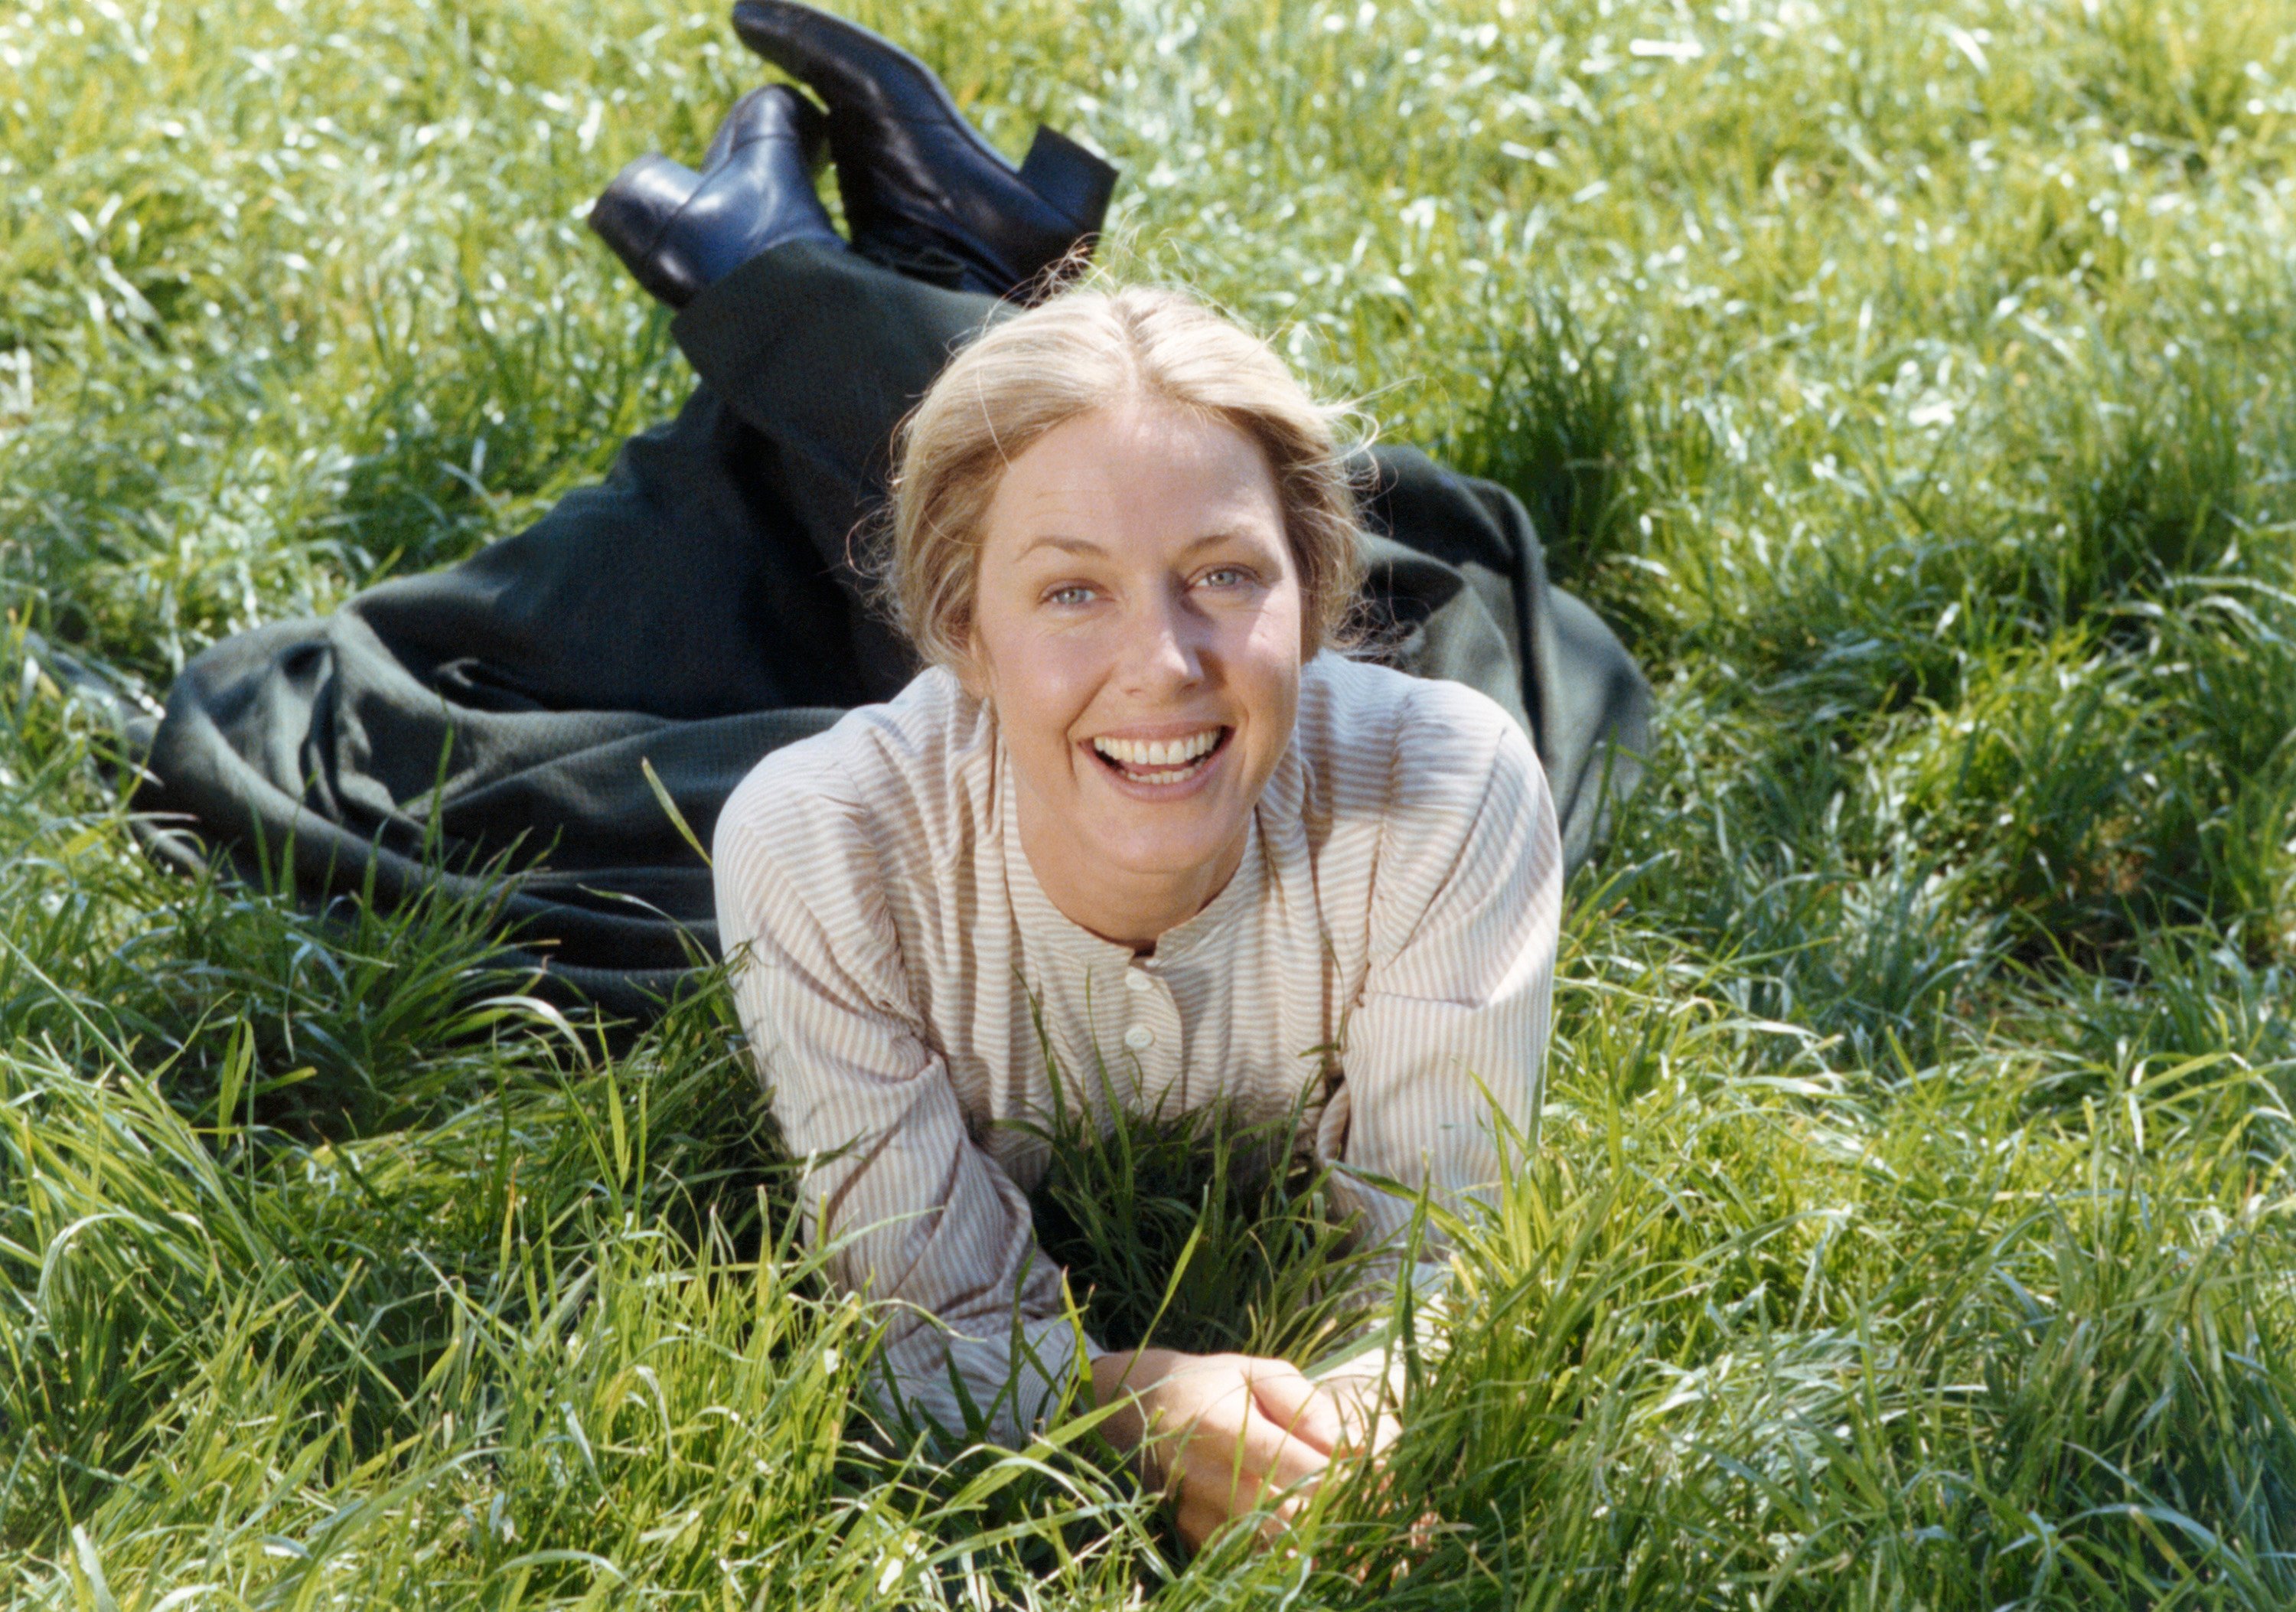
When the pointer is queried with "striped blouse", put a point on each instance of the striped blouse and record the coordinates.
(1386, 948)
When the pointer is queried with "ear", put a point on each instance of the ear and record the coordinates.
(970, 668)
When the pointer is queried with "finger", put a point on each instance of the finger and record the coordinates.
(1233, 1470)
(1201, 1409)
(1369, 1429)
(1294, 1403)
(1271, 1455)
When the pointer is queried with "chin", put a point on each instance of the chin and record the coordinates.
(1163, 855)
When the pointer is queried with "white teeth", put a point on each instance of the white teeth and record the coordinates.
(1158, 753)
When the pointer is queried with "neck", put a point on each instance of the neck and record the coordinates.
(1118, 904)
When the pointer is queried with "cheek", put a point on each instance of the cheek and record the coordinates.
(1273, 652)
(1039, 683)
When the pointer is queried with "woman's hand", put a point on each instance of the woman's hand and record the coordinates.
(1220, 1432)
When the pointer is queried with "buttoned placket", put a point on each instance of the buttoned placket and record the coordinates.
(1152, 1035)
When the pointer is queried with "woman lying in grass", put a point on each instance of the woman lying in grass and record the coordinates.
(1135, 798)
(1137, 828)
(1137, 802)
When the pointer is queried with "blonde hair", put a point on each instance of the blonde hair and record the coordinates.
(1081, 351)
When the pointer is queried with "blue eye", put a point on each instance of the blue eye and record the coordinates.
(1234, 576)
(1075, 593)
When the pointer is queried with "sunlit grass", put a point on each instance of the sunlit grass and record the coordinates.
(1912, 1224)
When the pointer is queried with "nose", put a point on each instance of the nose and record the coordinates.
(1165, 645)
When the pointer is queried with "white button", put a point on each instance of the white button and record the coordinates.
(1135, 979)
(1140, 1037)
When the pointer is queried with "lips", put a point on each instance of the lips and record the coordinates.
(1160, 762)
(1139, 753)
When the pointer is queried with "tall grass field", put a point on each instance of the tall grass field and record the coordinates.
(1913, 1224)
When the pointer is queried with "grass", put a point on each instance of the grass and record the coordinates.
(1912, 1224)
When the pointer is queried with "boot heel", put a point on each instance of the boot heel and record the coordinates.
(1068, 178)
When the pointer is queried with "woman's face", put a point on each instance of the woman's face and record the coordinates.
(1137, 628)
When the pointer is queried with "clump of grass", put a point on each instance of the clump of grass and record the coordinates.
(1202, 1232)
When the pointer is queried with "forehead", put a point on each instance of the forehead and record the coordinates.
(1136, 475)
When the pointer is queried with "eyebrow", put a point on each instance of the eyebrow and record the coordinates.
(1084, 546)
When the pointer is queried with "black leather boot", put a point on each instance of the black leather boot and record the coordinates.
(920, 186)
(677, 231)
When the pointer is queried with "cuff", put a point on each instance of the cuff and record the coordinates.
(992, 1390)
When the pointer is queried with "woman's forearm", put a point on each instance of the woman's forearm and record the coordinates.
(1119, 1380)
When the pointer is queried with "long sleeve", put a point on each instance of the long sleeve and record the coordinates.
(909, 990)
(909, 1207)
(1452, 1015)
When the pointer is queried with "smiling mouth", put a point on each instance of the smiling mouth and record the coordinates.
(1163, 761)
